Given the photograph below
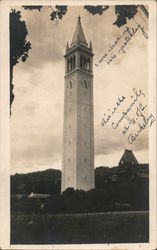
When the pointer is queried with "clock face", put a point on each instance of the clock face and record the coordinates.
(85, 84)
(69, 84)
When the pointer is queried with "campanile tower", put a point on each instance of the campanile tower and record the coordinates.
(78, 127)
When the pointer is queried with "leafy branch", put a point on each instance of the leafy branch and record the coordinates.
(57, 13)
(123, 13)
(99, 9)
(19, 46)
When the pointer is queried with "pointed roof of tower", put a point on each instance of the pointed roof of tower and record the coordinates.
(90, 45)
(67, 47)
(79, 34)
(128, 157)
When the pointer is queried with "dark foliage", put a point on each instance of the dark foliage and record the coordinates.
(35, 7)
(130, 192)
(19, 46)
(123, 13)
(29, 206)
(59, 12)
(103, 228)
(45, 182)
(99, 9)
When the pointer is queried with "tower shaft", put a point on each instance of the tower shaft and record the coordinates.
(78, 128)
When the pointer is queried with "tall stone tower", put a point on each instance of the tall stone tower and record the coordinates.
(78, 127)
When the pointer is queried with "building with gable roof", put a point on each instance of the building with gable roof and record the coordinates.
(128, 159)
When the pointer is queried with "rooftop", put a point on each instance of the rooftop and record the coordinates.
(128, 157)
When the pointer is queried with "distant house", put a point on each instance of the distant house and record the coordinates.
(38, 196)
(128, 160)
(128, 169)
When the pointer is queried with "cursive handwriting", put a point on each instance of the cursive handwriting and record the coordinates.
(146, 120)
(136, 95)
(120, 43)
(107, 117)
(130, 33)
(133, 118)
(129, 108)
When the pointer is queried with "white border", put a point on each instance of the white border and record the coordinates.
(5, 126)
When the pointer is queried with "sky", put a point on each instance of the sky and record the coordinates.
(37, 110)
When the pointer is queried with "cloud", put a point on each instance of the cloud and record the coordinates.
(37, 112)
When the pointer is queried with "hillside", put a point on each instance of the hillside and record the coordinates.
(49, 181)
(46, 182)
(115, 190)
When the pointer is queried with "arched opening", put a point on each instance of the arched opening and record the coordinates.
(73, 62)
(88, 64)
(68, 65)
(81, 61)
(85, 64)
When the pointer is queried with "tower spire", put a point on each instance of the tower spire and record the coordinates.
(79, 34)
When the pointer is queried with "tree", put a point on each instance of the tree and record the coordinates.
(99, 9)
(123, 13)
(33, 7)
(57, 13)
(19, 46)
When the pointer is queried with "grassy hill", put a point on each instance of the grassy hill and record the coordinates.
(46, 182)
(119, 227)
